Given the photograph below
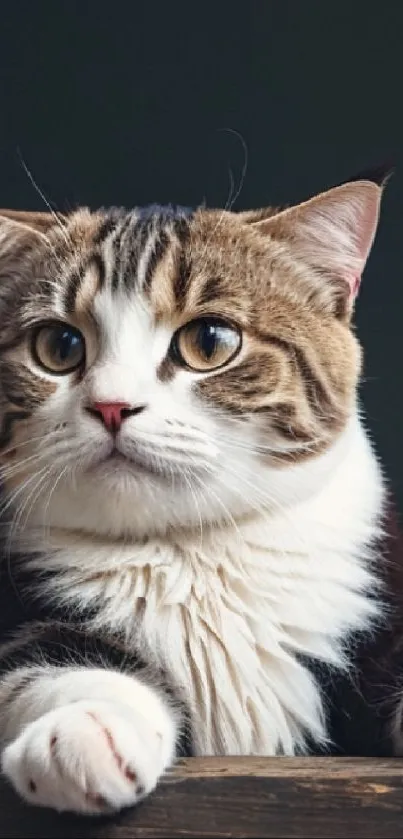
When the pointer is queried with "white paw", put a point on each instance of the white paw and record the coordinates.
(88, 757)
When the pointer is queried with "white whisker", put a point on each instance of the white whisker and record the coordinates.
(44, 199)
(12, 499)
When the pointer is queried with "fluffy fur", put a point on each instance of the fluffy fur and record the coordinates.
(174, 578)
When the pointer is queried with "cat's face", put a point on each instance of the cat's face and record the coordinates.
(161, 368)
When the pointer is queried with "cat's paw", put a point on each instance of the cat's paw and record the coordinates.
(88, 757)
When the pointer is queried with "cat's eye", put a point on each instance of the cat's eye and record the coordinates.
(206, 344)
(58, 348)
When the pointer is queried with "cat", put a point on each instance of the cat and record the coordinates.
(191, 504)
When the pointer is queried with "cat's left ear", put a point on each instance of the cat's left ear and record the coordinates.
(20, 234)
(333, 232)
(40, 222)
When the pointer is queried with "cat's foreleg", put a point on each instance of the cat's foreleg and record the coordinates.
(76, 735)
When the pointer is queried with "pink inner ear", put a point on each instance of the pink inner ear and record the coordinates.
(354, 285)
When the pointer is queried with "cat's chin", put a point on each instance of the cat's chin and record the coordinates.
(116, 464)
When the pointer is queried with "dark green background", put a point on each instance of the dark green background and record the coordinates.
(126, 102)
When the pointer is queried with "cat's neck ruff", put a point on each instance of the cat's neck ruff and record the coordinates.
(229, 612)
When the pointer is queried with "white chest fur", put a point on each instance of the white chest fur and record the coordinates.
(228, 612)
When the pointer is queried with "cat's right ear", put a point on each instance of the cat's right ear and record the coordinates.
(332, 234)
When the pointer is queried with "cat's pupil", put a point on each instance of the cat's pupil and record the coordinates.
(208, 338)
(65, 343)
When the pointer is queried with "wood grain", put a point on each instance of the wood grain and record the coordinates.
(320, 798)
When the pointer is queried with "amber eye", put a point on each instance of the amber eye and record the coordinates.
(58, 348)
(206, 344)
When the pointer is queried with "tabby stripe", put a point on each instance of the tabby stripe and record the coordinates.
(116, 265)
(106, 228)
(117, 251)
(72, 289)
(181, 281)
(284, 419)
(132, 258)
(10, 383)
(166, 370)
(160, 248)
(77, 278)
(54, 643)
(316, 391)
(21, 387)
(145, 254)
(12, 344)
(9, 419)
(318, 395)
(211, 290)
(98, 261)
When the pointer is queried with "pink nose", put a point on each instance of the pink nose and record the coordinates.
(112, 414)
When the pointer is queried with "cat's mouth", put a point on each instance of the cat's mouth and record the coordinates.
(115, 456)
(163, 462)
(117, 461)
(122, 461)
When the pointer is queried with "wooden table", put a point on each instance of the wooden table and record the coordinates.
(319, 798)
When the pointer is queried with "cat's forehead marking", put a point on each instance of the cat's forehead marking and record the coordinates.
(88, 285)
(123, 253)
(185, 262)
(130, 246)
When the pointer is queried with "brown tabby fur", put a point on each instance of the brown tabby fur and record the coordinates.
(300, 361)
